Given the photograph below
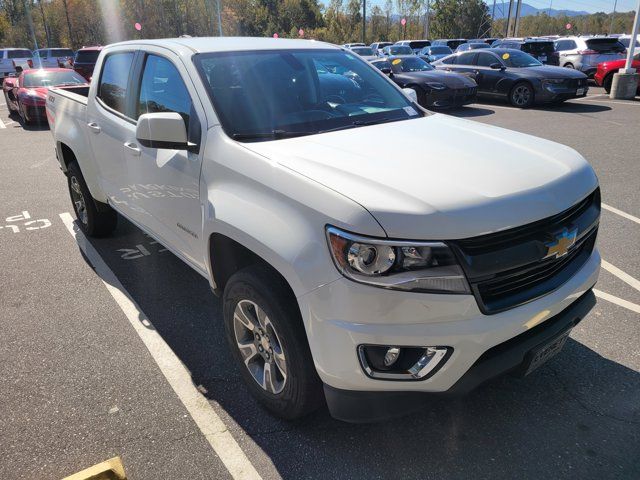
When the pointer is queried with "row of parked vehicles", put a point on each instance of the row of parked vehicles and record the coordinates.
(590, 56)
(82, 61)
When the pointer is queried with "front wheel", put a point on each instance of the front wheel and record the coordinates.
(521, 95)
(267, 338)
(95, 219)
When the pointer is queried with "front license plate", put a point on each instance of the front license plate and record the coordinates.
(539, 356)
(580, 91)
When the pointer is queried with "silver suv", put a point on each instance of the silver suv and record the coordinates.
(585, 53)
(10, 57)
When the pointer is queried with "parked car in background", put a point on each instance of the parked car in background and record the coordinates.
(415, 45)
(378, 46)
(541, 50)
(365, 251)
(452, 43)
(53, 58)
(516, 76)
(585, 54)
(29, 91)
(397, 50)
(349, 45)
(434, 88)
(7, 90)
(85, 60)
(434, 52)
(604, 73)
(488, 41)
(10, 57)
(365, 52)
(626, 40)
(471, 46)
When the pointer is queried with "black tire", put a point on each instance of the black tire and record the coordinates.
(569, 65)
(608, 80)
(302, 389)
(96, 219)
(23, 116)
(517, 96)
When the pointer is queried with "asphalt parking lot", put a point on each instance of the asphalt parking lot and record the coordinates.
(87, 375)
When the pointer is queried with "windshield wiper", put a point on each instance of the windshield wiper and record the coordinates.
(275, 134)
(362, 123)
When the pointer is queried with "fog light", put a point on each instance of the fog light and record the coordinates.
(402, 363)
(391, 356)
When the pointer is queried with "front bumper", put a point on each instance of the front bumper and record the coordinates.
(342, 315)
(560, 93)
(456, 97)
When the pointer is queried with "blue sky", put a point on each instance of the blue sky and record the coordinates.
(586, 5)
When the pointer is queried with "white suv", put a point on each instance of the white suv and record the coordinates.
(585, 53)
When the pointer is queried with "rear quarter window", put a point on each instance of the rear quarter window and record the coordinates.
(89, 56)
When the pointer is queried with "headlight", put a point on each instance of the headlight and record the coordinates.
(436, 85)
(396, 264)
(552, 82)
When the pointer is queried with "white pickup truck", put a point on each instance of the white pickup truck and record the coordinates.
(368, 252)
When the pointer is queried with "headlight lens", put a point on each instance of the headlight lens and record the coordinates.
(436, 85)
(398, 265)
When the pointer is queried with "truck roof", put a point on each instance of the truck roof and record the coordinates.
(229, 44)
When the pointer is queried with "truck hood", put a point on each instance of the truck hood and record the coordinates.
(440, 177)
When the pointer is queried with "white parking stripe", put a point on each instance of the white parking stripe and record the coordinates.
(209, 423)
(618, 102)
(625, 277)
(2, 125)
(621, 213)
(616, 300)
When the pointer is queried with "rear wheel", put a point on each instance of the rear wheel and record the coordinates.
(267, 338)
(521, 95)
(96, 219)
(569, 65)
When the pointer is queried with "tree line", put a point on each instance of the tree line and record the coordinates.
(77, 23)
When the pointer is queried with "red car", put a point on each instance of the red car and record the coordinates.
(604, 74)
(27, 93)
(85, 61)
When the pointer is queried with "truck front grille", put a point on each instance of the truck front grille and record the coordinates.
(507, 269)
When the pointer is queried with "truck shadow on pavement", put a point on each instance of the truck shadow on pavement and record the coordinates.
(577, 416)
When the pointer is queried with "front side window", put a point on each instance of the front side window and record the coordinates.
(162, 89)
(486, 59)
(262, 95)
(112, 89)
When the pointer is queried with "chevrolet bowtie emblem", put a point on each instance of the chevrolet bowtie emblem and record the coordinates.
(562, 244)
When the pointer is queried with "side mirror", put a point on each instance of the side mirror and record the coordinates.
(411, 93)
(497, 66)
(386, 71)
(18, 69)
(162, 130)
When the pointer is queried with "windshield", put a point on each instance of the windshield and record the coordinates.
(419, 44)
(400, 50)
(50, 79)
(87, 56)
(278, 93)
(410, 64)
(364, 51)
(518, 59)
(440, 51)
(19, 54)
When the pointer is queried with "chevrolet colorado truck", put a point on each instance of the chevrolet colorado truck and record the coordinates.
(368, 252)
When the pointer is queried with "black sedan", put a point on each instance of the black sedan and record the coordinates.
(435, 89)
(516, 76)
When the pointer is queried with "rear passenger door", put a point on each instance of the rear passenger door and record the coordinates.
(487, 78)
(165, 183)
(465, 64)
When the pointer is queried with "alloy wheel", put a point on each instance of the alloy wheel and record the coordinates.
(260, 346)
(78, 200)
(521, 95)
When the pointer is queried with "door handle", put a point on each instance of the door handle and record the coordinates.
(94, 126)
(133, 148)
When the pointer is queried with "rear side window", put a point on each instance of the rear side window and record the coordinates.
(19, 54)
(112, 89)
(452, 60)
(162, 89)
(605, 45)
(466, 58)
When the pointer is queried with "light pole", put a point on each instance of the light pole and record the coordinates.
(613, 14)
(625, 82)
(364, 21)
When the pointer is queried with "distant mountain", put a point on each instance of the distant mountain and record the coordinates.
(502, 9)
